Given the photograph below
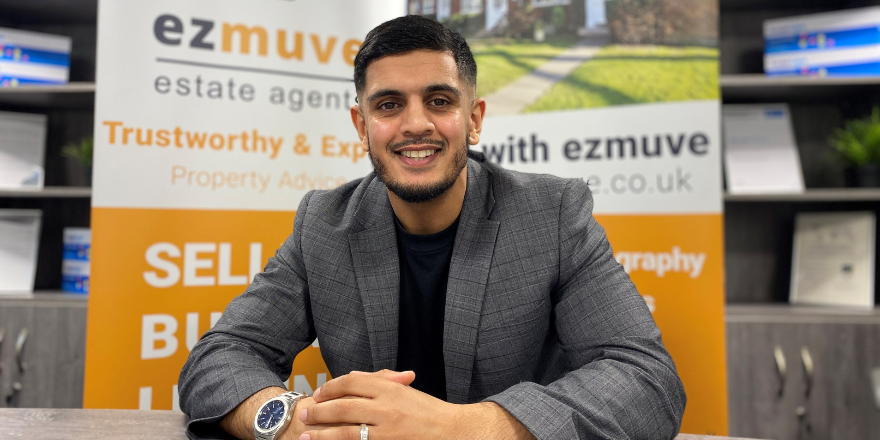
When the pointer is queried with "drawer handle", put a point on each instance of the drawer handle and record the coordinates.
(19, 347)
(807, 359)
(2, 337)
(780, 369)
(875, 381)
(10, 395)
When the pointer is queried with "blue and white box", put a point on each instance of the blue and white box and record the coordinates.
(839, 43)
(32, 58)
(76, 264)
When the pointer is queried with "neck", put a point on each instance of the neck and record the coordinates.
(432, 216)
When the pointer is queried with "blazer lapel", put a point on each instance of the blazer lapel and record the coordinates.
(374, 256)
(468, 274)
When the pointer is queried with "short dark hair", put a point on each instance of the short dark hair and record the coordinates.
(408, 33)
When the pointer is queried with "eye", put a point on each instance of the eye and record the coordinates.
(387, 106)
(439, 102)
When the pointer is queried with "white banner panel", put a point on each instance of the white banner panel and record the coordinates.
(227, 104)
(668, 160)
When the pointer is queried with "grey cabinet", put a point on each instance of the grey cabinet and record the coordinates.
(825, 391)
(52, 355)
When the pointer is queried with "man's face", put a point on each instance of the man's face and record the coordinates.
(416, 118)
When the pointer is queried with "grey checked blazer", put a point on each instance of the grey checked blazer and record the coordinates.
(539, 316)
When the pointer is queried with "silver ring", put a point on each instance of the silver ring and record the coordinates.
(365, 432)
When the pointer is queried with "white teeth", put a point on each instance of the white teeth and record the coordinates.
(417, 154)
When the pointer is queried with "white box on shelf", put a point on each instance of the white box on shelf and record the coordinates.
(833, 259)
(33, 58)
(760, 153)
(841, 20)
(22, 150)
(838, 43)
(19, 241)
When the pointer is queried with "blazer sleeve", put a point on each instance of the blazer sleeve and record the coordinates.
(252, 346)
(623, 383)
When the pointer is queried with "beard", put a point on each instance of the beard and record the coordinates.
(420, 193)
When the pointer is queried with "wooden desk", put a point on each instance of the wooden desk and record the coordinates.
(108, 424)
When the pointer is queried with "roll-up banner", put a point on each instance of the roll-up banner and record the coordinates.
(214, 118)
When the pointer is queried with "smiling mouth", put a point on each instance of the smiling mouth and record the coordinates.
(417, 155)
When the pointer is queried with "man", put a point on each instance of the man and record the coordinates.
(493, 293)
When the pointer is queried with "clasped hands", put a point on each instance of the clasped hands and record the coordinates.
(392, 410)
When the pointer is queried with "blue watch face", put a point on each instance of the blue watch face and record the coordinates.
(271, 415)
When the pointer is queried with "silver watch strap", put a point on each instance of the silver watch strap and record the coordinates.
(292, 397)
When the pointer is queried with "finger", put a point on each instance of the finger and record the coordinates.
(404, 377)
(329, 425)
(360, 385)
(401, 377)
(354, 411)
(341, 433)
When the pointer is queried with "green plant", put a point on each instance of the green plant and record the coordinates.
(858, 142)
(81, 151)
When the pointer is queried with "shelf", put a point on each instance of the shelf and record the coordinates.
(29, 12)
(763, 88)
(761, 80)
(43, 298)
(811, 195)
(798, 5)
(71, 95)
(789, 313)
(58, 192)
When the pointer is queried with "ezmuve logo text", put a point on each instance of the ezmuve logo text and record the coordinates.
(256, 40)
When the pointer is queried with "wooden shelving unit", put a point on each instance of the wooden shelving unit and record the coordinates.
(70, 117)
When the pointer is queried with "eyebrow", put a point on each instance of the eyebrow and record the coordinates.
(384, 92)
(429, 89)
(442, 88)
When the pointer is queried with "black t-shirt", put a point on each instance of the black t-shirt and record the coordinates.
(424, 271)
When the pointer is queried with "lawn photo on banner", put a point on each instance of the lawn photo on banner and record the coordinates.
(547, 55)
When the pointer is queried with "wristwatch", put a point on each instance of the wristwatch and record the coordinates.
(274, 416)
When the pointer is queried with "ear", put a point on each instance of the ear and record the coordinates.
(360, 124)
(478, 111)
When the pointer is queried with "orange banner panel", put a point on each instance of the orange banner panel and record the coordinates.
(677, 264)
(157, 289)
(160, 280)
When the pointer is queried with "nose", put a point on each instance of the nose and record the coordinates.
(416, 120)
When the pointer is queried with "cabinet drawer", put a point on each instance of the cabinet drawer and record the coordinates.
(53, 355)
(834, 401)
